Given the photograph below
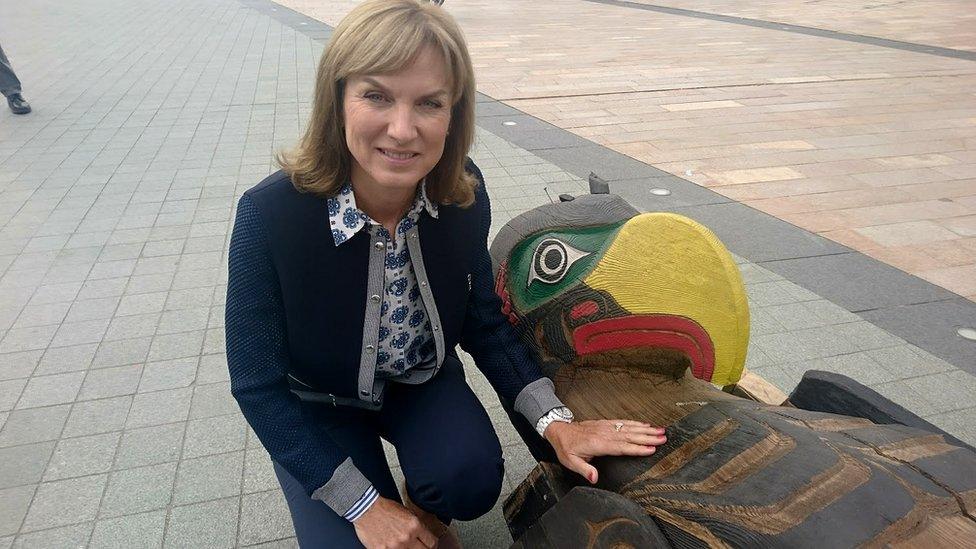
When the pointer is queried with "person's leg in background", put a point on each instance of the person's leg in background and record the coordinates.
(10, 87)
(316, 524)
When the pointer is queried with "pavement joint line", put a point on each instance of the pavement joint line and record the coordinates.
(797, 29)
(725, 86)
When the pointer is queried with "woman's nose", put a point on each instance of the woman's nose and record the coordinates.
(402, 126)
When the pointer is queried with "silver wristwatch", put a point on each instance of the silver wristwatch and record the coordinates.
(560, 413)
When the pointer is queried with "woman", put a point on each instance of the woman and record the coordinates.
(355, 272)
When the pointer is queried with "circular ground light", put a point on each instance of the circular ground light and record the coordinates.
(509, 123)
(660, 192)
(967, 333)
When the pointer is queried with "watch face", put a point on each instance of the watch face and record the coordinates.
(563, 412)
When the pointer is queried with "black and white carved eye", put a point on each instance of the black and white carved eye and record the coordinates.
(552, 259)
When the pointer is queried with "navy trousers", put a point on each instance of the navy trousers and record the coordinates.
(445, 443)
(9, 83)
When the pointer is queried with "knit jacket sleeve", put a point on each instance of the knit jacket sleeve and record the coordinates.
(487, 335)
(257, 356)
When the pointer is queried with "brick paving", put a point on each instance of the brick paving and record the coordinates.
(872, 147)
(117, 428)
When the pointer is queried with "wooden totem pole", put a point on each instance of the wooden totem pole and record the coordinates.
(644, 316)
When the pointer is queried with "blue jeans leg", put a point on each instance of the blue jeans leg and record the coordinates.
(316, 524)
(446, 444)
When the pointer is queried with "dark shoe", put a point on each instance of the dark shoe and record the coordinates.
(18, 104)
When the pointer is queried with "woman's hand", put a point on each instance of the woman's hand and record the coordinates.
(579, 442)
(389, 525)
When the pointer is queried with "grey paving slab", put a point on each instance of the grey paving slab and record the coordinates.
(137, 490)
(150, 445)
(33, 425)
(97, 416)
(65, 502)
(208, 524)
(264, 517)
(159, 407)
(75, 457)
(208, 478)
(857, 282)
(56, 538)
(14, 503)
(933, 326)
(110, 382)
(23, 465)
(133, 531)
(53, 389)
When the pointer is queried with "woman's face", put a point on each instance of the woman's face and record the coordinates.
(396, 123)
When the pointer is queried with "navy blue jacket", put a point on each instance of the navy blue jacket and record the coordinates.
(295, 304)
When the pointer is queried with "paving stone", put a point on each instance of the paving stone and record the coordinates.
(76, 333)
(150, 445)
(213, 369)
(97, 416)
(33, 425)
(121, 352)
(856, 282)
(945, 391)
(10, 391)
(55, 538)
(14, 503)
(259, 472)
(215, 435)
(111, 382)
(92, 309)
(176, 345)
(265, 517)
(905, 393)
(159, 407)
(932, 326)
(53, 389)
(214, 399)
(27, 339)
(168, 374)
(143, 303)
(75, 457)
(19, 364)
(135, 326)
(207, 478)
(137, 490)
(957, 422)
(130, 532)
(905, 361)
(65, 502)
(183, 320)
(22, 465)
(57, 360)
(208, 524)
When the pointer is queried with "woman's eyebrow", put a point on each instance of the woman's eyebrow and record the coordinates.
(376, 83)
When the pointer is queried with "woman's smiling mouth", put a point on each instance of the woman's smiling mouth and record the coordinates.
(397, 156)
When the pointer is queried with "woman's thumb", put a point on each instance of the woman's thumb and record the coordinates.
(586, 470)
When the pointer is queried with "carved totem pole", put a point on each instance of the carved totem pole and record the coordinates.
(645, 316)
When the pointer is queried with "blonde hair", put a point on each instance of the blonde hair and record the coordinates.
(381, 36)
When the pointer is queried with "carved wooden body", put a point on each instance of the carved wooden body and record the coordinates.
(734, 472)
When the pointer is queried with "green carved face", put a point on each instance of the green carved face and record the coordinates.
(548, 264)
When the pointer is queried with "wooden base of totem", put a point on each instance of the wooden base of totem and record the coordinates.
(738, 473)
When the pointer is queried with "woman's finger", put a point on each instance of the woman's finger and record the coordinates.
(628, 449)
(646, 440)
(631, 425)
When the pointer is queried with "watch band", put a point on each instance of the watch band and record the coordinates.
(560, 413)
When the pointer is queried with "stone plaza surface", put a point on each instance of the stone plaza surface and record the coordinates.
(117, 428)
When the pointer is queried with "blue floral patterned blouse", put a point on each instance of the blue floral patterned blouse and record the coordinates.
(405, 339)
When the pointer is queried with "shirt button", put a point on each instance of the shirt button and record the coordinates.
(374, 298)
(370, 349)
(379, 245)
(436, 327)
(423, 284)
(364, 392)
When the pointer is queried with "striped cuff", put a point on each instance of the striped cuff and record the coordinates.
(363, 505)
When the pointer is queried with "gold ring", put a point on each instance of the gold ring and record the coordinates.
(618, 426)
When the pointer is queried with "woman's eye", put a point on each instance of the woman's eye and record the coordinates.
(552, 260)
(375, 97)
(432, 104)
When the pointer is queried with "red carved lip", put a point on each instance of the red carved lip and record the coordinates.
(662, 331)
